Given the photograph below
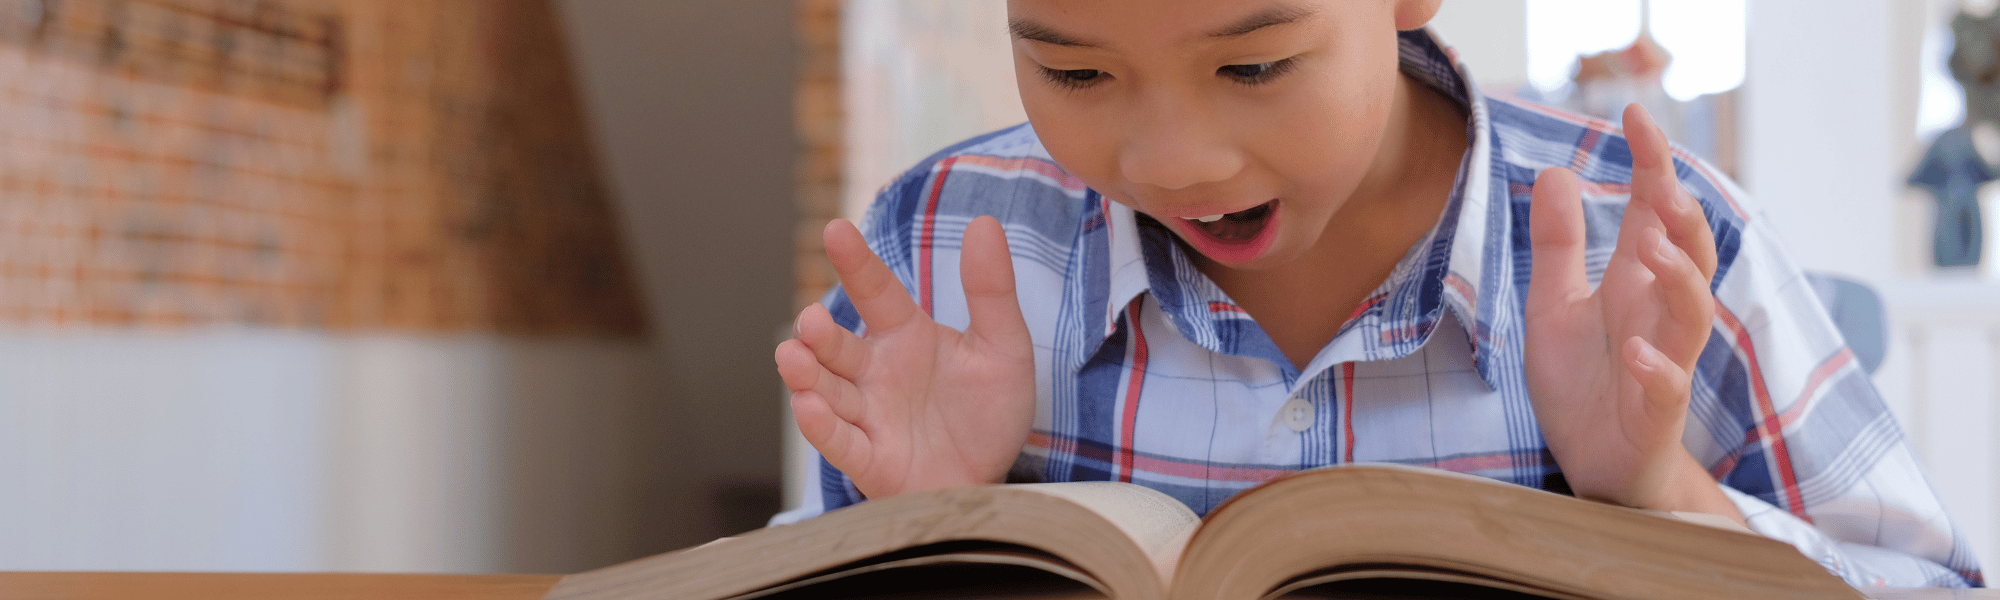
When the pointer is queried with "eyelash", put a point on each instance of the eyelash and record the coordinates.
(1077, 79)
(1072, 79)
(1271, 70)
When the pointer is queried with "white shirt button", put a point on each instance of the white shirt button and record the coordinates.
(1297, 414)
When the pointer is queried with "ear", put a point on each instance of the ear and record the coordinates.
(1411, 14)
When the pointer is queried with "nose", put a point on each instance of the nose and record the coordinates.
(1174, 143)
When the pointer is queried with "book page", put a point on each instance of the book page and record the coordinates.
(1090, 537)
(939, 575)
(1160, 524)
(1479, 531)
(1391, 582)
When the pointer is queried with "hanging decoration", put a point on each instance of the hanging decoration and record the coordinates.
(1953, 169)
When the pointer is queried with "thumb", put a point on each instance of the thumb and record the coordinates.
(987, 270)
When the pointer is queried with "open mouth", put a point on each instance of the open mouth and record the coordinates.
(1237, 227)
(1233, 238)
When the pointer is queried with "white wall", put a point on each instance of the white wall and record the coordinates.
(1941, 376)
(138, 451)
(1491, 37)
(252, 450)
(477, 453)
(1829, 121)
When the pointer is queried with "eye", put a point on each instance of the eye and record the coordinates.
(1257, 73)
(1073, 79)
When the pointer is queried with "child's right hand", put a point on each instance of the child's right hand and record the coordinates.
(915, 405)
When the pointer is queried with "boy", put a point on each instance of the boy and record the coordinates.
(1258, 236)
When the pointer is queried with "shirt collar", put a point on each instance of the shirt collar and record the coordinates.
(1472, 237)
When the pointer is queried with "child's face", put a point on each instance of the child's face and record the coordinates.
(1269, 112)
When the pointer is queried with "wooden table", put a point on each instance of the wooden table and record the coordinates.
(270, 586)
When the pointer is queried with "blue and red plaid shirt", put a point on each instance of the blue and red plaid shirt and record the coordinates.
(1147, 372)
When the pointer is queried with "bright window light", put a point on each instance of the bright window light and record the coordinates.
(1561, 30)
(1940, 102)
(1706, 39)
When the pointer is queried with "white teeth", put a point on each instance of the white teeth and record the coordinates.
(1207, 219)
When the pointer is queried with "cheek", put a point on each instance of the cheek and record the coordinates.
(1339, 120)
(1328, 136)
(1075, 135)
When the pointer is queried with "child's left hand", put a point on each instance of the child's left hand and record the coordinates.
(1609, 370)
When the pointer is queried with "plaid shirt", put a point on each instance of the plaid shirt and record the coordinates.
(1147, 372)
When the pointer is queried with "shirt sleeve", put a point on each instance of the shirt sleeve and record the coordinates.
(1794, 428)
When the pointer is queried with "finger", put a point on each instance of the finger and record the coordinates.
(1665, 385)
(987, 270)
(843, 444)
(883, 302)
(803, 374)
(1653, 176)
(796, 365)
(1687, 228)
(1656, 184)
(1555, 229)
(835, 348)
(1684, 291)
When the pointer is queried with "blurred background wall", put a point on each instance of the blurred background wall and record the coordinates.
(693, 105)
(311, 285)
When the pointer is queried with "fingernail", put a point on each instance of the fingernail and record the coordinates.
(1649, 357)
(1662, 247)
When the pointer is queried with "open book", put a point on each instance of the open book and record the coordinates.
(1345, 531)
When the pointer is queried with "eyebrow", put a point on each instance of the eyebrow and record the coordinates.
(1037, 32)
(1270, 17)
